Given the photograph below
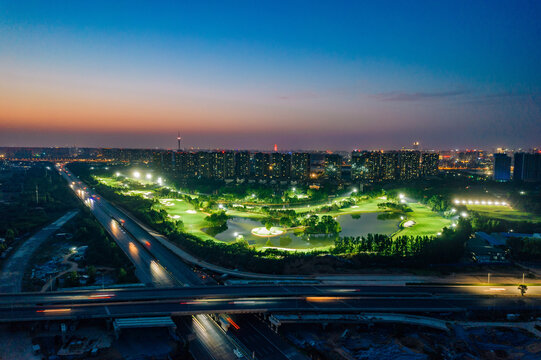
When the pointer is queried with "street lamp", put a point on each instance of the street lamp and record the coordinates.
(149, 176)
(136, 174)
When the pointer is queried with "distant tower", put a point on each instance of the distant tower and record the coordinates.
(275, 147)
(416, 145)
(178, 140)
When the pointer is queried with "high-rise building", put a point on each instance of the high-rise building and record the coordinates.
(160, 160)
(217, 165)
(527, 167)
(229, 165)
(300, 166)
(502, 167)
(409, 163)
(242, 165)
(280, 167)
(389, 165)
(204, 165)
(185, 164)
(429, 164)
(333, 167)
(364, 165)
(261, 166)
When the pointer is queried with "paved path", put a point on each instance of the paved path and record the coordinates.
(11, 278)
(73, 267)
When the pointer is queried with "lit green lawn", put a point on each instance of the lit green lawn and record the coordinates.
(363, 206)
(504, 213)
(109, 181)
(193, 219)
(427, 222)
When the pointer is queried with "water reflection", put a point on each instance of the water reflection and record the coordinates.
(352, 225)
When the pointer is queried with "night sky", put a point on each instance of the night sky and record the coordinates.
(248, 74)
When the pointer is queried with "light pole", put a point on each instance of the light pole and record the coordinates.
(488, 278)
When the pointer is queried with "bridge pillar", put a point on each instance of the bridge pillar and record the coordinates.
(108, 323)
(63, 329)
(116, 331)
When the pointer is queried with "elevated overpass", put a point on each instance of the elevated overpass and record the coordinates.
(112, 304)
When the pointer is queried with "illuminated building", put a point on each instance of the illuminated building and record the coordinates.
(333, 167)
(429, 164)
(262, 166)
(389, 165)
(229, 165)
(502, 167)
(280, 166)
(300, 166)
(409, 163)
(242, 164)
(204, 165)
(185, 164)
(392, 165)
(366, 165)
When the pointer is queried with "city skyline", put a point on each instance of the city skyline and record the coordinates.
(306, 76)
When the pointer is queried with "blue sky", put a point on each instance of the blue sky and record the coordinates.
(339, 75)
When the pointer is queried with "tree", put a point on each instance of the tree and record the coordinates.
(10, 235)
(91, 272)
(122, 275)
(72, 279)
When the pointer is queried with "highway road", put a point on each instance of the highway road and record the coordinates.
(148, 269)
(239, 291)
(316, 304)
(210, 338)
